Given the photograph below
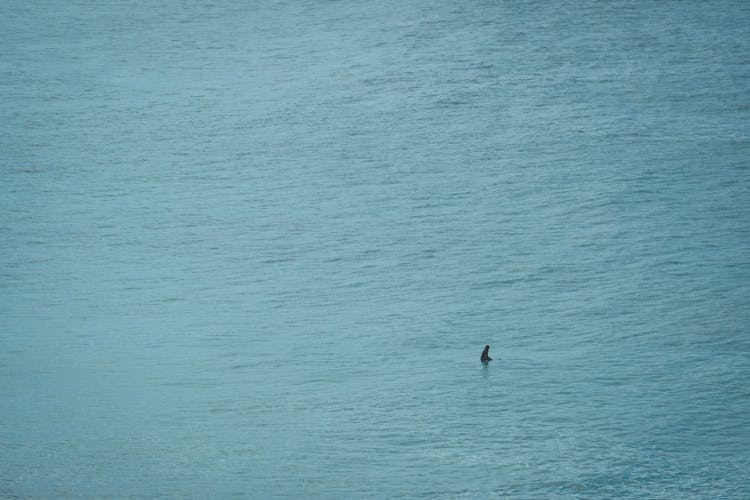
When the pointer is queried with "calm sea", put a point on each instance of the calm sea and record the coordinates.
(254, 249)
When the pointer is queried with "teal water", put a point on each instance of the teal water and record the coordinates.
(255, 249)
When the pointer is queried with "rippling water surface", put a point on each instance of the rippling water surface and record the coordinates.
(256, 248)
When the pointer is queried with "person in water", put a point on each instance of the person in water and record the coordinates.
(486, 355)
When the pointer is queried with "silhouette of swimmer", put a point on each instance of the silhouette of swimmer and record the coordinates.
(486, 355)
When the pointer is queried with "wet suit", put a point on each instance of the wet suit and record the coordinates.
(486, 355)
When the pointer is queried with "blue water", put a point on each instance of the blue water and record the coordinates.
(255, 249)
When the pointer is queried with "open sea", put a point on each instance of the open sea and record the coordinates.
(254, 249)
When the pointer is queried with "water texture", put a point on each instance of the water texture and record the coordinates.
(255, 249)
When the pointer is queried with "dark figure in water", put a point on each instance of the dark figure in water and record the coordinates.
(486, 355)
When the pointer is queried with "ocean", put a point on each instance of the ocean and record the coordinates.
(254, 249)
